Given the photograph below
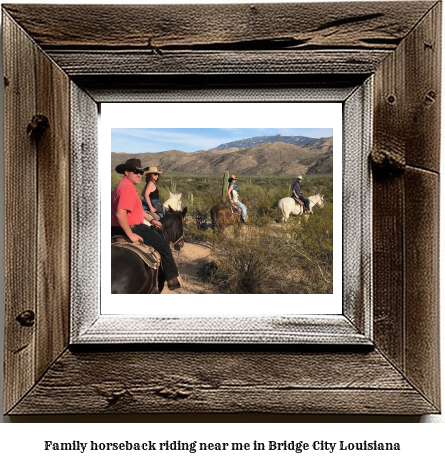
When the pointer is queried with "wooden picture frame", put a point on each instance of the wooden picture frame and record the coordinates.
(57, 70)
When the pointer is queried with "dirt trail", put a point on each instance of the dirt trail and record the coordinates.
(194, 255)
(189, 261)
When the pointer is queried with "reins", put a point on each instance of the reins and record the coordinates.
(183, 229)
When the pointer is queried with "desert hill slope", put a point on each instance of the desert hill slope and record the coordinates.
(263, 159)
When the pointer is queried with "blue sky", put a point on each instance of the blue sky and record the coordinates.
(138, 140)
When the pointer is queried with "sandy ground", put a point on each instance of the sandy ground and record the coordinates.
(189, 261)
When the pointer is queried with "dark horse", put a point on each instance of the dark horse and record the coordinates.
(222, 216)
(130, 275)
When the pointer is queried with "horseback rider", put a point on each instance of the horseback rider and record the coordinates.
(297, 195)
(233, 193)
(150, 192)
(127, 216)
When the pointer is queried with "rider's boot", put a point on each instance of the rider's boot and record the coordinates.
(175, 283)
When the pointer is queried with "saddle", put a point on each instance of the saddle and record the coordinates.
(233, 208)
(149, 255)
(299, 203)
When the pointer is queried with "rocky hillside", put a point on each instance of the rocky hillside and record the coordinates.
(263, 159)
(254, 141)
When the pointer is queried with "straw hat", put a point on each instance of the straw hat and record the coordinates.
(152, 170)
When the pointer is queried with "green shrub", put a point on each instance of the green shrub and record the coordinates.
(260, 259)
(268, 261)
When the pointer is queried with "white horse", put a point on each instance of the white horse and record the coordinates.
(174, 201)
(287, 206)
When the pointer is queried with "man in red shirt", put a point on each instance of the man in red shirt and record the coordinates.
(127, 217)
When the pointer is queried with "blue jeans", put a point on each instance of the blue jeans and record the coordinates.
(154, 202)
(305, 201)
(243, 209)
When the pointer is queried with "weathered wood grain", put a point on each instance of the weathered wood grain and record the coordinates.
(422, 281)
(275, 26)
(37, 229)
(20, 213)
(388, 233)
(423, 91)
(406, 133)
(222, 382)
(218, 88)
(53, 212)
(388, 268)
(407, 114)
(357, 214)
(215, 62)
(85, 218)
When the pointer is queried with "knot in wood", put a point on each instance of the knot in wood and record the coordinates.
(37, 126)
(26, 318)
(388, 162)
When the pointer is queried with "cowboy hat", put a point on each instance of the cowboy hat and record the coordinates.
(299, 177)
(152, 170)
(130, 165)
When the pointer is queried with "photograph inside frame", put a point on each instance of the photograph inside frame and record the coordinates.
(226, 211)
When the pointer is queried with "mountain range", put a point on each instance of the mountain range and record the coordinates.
(264, 155)
(253, 141)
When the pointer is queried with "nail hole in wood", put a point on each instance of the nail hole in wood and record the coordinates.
(430, 97)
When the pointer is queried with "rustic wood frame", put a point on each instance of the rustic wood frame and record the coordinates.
(88, 54)
(89, 321)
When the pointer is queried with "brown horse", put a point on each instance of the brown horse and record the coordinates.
(222, 216)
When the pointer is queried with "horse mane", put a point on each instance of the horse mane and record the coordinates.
(167, 221)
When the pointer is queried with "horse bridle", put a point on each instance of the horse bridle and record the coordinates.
(183, 230)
